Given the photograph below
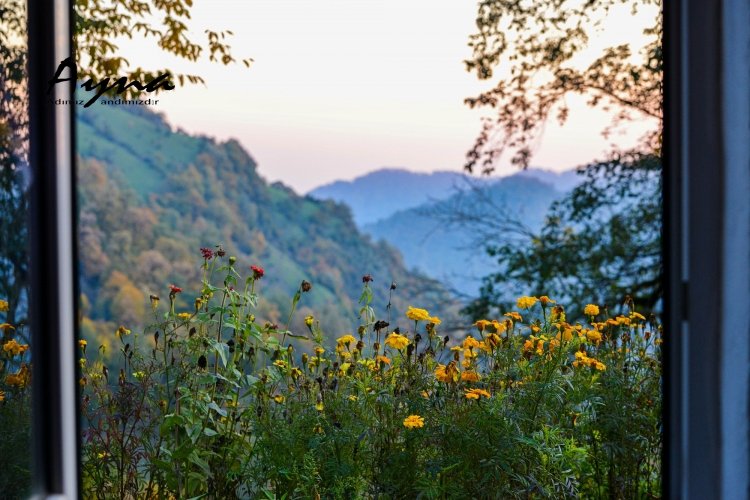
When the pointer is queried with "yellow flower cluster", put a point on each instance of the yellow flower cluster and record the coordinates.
(413, 422)
(396, 341)
(417, 314)
(14, 348)
(3, 306)
(584, 360)
(526, 302)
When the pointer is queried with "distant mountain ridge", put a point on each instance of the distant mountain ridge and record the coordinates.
(383, 192)
(433, 239)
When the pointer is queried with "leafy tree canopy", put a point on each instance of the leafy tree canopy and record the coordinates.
(603, 240)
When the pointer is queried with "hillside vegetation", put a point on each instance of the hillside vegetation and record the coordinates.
(150, 197)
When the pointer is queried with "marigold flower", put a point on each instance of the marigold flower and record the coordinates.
(447, 373)
(470, 376)
(319, 350)
(499, 326)
(593, 336)
(207, 253)
(434, 320)
(258, 272)
(14, 348)
(278, 398)
(319, 406)
(470, 342)
(545, 300)
(481, 324)
(6, 326)
(635, 315)
(2, 396)
(280, 363)
(174, 290)
(184, 316)
(526, 302)
(514, 316)
(346, 340)
(476, 393)
(622, 320)
(396, 341)
(591, 310)
(383, 359)
(413, 422)
(4, 306)
(416, 314)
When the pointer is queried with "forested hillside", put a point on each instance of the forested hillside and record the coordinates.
(151, 197)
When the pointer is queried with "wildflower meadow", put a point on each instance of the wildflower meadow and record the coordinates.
(210, 401)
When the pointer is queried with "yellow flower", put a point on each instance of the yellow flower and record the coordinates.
(82, 344)
(139, 375)
(184, 316)
(14, 348)
(122, 331)
(470, 342)
(384, 360)
(622, 320)
(447, 373)
(352, 397)
(6, 326)
(470, 376)
(600, 366)
(434, 320)
(499, 327)
(3, 306)
(482, 324)
(476, 393)
(397, 341)
(526, 302)
(593, 336)
(635, 315)
(514, 316)
(2, 396)
(319, 406)
(278, 398)
(528, 345)
(345, 368)
(319, 350)
(309, 321)
(417, 314)
(346, 340)
(546, 300)
(413, 422)
(591, 310)
(280, 363)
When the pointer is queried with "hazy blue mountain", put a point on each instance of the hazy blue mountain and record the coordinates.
(447, 238)
(381, 193)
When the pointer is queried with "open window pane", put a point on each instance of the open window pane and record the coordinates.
(266, 310)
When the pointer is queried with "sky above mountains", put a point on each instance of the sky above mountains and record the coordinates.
(340, 88)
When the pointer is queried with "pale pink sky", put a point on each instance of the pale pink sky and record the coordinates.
(343, 87)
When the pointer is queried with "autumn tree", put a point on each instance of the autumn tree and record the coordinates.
(601, 242)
